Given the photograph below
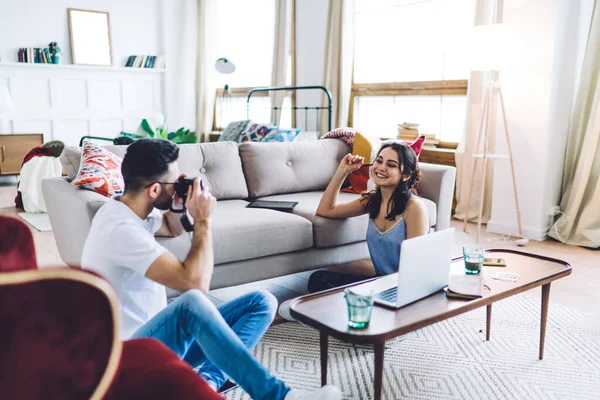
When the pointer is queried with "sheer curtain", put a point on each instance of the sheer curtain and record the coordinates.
(580, 200)
(205, 70)
(281, 52)
(339, 55)
(487, 12)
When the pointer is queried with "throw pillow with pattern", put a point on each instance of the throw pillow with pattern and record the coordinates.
(233, 131)
(100, 170)
(256, 132)
(282, 135)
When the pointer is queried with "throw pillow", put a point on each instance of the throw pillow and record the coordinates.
(100, 170)
(345, 134)
(282, 135)
(233, 131)
(256, 132)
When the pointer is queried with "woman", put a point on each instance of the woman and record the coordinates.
(395, 211)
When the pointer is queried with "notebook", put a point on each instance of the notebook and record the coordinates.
(286, 206)
(465, 286)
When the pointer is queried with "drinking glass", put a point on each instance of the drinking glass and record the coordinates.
(360, 307)
(473, 255)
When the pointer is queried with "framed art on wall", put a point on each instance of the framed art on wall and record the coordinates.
(90, 37)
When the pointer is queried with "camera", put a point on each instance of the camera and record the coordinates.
(181, 187)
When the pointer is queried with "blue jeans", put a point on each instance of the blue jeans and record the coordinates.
(219, 338)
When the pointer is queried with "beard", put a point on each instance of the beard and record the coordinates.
(163, 202)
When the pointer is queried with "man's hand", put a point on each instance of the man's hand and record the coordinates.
(351, 163)
(200, 203)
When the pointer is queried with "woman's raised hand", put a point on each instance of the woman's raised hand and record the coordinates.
(351, 163)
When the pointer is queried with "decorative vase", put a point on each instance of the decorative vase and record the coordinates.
(54, 59)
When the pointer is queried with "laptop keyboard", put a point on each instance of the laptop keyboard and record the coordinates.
(389, 294)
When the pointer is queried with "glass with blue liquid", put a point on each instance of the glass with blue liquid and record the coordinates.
(360, 306)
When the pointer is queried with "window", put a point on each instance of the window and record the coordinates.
(246, 36)
(410, 65)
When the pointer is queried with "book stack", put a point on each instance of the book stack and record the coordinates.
(146, 62)
(34, 55)
(410, 131)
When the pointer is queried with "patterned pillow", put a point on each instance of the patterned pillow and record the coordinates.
(233, 131)
(256, 132)
(345, 134)
(100, 170)
(282, 135)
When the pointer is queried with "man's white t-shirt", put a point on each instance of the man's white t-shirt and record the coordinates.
(121, 247)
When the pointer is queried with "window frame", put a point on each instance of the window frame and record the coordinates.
(420, 88)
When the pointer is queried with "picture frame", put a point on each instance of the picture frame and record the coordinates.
(91, 40)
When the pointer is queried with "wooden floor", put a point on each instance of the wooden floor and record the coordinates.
(580, 290)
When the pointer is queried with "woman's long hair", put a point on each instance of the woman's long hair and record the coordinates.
(408, 166)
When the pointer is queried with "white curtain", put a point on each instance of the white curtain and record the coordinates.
(281, 52)
(339, 59)
(205, 70)
(487, 12)
(580, 200)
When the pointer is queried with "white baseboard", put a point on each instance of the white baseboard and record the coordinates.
(530, 233)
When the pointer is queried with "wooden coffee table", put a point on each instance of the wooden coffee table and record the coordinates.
(327, 311)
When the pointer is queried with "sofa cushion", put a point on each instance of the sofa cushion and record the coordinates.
(328, 232)
(241, 233)
(278, 168)
(100, 170)
(218, 164)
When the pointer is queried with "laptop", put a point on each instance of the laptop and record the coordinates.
(424, 269)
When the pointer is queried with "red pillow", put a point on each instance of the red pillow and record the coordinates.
(416, 145)
(100, 170)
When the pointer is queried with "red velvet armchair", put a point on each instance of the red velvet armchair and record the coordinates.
(59, 336)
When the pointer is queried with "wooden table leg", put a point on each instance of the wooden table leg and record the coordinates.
(324, 350)
(545, 302)
(488, 322)
(378, 381)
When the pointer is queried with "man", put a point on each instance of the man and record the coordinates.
(121, 246)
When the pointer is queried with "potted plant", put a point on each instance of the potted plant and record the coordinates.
(158, 129)
(54, 52)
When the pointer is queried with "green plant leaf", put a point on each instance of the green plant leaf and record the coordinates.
(185, 139)
(132, 135)
(145, 125)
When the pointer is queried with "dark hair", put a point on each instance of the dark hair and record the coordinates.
(146, 161)
(401, 195)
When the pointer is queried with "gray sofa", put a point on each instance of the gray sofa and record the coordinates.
(252, 244)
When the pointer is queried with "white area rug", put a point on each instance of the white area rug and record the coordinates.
(41, 221)
(451, 359)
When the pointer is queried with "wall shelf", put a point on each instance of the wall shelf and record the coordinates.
(81, 67)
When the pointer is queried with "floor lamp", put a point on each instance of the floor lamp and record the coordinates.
(488, 41)
(224, 66)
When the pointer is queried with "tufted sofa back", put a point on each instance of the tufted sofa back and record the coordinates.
(218, 164)
(277, 168)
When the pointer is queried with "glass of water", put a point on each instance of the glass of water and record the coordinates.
(473, 255)
(360, 306)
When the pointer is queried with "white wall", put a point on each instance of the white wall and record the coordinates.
(180, 19)
(134, 24)
(538, 91)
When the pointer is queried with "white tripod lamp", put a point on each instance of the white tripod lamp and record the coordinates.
(5, 104)
(488, 53)
(224, 66)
